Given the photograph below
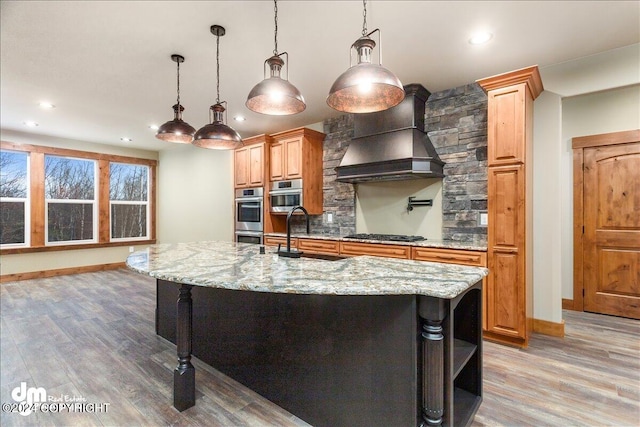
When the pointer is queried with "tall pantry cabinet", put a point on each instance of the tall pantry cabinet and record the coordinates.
(509, 302)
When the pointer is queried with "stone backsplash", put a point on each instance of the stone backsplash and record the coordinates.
(456, 122)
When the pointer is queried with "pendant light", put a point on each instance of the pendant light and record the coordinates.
(365, 87)
(217, 135)
(274, 95)
(176, 130)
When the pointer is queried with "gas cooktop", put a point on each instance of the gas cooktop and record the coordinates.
(391, 237)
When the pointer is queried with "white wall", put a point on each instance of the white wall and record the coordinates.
(195, 197)
(547, 121)
(381, 207)
(22, 263)
(601, 112)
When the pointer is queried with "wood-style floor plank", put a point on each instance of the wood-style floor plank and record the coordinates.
(92, 335)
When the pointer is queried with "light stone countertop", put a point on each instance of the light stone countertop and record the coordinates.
(240, 266)
(428, 243)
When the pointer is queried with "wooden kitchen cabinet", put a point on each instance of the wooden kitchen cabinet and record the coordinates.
(296, 154)
(276, 240)
(319, 246)
(250, 163)
(509, 295)
(375, 249)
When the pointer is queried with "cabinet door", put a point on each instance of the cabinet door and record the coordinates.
(373, 249)
(255, 162)
(241, 165)
(293, 158)
(276, 151)
(506, 125)
(506, 290)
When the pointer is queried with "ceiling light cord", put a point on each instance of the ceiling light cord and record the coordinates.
(217, 69)
(178, 85)
(275, 36)
(364, 15)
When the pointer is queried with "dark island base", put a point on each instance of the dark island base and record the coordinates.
(331, 360)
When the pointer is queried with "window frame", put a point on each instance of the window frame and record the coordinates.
(37, 206)
(27, 208)
(93, 202)
(131, 202)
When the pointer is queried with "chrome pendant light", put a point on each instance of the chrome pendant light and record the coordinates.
(176, 130)
(274, 95)
(365, 87)
(217, 135)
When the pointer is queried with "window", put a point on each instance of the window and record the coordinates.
(55, 199)
(129, 201)
(14, 200)
(70, 199)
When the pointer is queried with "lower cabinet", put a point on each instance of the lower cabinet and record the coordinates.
(318, 246)
(383, 250)
(452, 353)
(275, 241)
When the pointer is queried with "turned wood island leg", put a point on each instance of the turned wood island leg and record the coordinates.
(184, 376)
(433, 373)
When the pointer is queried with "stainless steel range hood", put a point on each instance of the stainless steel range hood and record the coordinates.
(391, 144)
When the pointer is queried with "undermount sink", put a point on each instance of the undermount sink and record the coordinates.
(325, 257)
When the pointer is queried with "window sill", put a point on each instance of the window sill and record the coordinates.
(10, 251)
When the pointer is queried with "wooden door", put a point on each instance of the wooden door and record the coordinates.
(611, 242)
(293, 155)
(276, 154)
(241, 165)
(506, 314)
(256, 165)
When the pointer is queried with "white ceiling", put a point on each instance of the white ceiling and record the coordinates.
(106, 64)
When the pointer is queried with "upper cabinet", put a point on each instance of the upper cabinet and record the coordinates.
(251, 163)
(296, 153)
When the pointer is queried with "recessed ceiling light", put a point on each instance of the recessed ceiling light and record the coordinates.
(154, 127)
(30, 123)
(46, 105)
(480, 38)
(239, 118)
(125, 139)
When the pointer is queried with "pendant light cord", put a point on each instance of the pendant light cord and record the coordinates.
(364, 15)
(178, 100)
(275, 36)
(217, 69)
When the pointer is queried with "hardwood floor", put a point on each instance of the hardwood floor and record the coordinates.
(92, 336)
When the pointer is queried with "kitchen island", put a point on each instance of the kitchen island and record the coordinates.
(356, 341)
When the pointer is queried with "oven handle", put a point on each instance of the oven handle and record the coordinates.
(249, 199)
(250, 233)
(280, 192)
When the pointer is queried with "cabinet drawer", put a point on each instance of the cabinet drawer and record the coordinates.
(390, 251)
(450, 256)
(319, 246)
(275, 241)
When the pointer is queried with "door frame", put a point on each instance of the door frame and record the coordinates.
(578, 145)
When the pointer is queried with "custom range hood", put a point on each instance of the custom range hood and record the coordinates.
(391, 144)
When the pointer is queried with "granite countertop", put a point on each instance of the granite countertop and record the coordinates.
(428, 243)
(240, 266)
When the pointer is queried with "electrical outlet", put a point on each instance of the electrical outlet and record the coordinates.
(131, 249)
(484, 219)
(329, 217)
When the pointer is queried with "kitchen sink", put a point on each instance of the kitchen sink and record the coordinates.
(322, 256)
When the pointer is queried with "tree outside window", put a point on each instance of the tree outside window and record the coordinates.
(14, 200)
(70, 197)
(129, 201)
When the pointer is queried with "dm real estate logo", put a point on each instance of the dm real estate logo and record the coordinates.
(28, 397)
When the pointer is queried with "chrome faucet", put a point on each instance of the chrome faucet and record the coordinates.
(288, 252)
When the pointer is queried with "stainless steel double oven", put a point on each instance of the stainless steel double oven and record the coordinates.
(249, 215)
